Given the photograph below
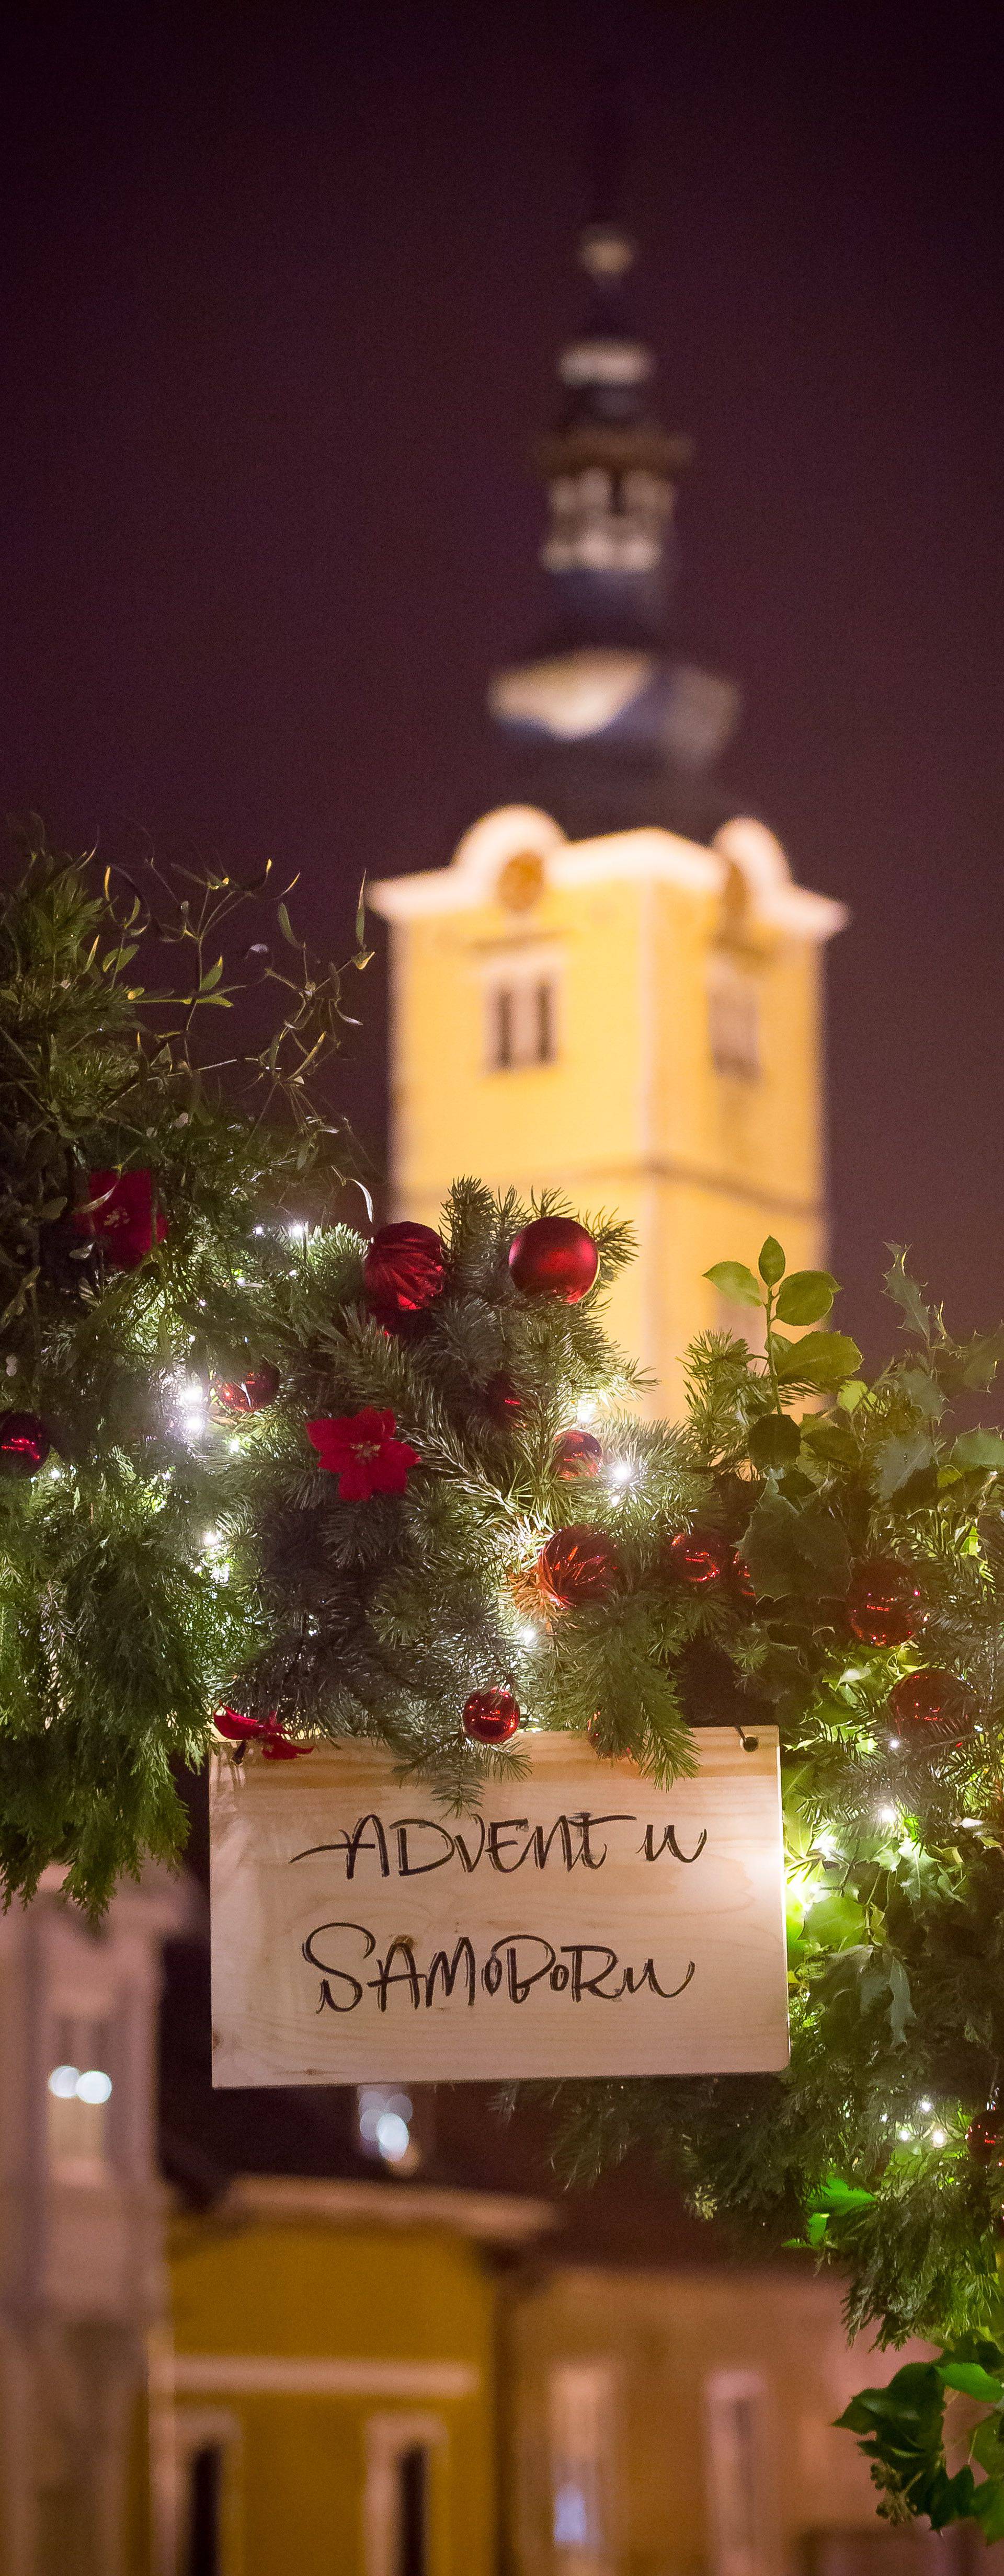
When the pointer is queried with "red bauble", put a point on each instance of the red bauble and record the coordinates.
(123, 1219)
(577, 1453)
(985, 2137)
(265, 1731)
(232, 1396)
(742, 1580)
(929, 1699)
(24, 1443)
(554, 1257)
(405, 1271)
(503, 1399)
(698, 1558)
(578, 1564)
(491, 1716)
(885, 1605)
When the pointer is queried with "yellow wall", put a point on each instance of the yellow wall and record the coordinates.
(665, 2337)
(633, 1115)
(301, 2291)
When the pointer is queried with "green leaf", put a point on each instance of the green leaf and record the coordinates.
(286, 926)
(806, 1296)
(974, 2381)
(361, 914)
(212, 978)
(771, 1262)
(901, 1455)
(906, 1295)
(852, 1393)
(988, 2502)
(836, 1922)
(774, 1440)
(792, 1551)
(978, 1449)
(841, 2197)
(820, 1360)
(734, 1280)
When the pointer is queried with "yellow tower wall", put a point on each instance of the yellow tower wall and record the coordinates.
(633, 1114)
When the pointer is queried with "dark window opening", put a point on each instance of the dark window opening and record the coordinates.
(413, 2504)
(503, 1028)
(203, 2555)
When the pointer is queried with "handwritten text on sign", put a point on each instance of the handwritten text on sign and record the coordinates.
(581, 1922)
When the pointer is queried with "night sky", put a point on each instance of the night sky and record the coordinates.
(283, 293)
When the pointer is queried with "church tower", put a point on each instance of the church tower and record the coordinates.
(614, 989)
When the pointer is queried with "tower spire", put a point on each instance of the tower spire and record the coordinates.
(617, 728)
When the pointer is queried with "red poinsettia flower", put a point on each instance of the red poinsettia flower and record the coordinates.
(123, 1220)
(360, 1449)
(266, 1731)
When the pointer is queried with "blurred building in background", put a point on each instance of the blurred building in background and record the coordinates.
(615, 989)
(365, 2335)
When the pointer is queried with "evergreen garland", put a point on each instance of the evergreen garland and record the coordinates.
(175, 1558)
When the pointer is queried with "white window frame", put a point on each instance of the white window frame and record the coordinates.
(388, 2439)
(207, 2428)
(581, 2423)
(737, 2430)
(521, 995)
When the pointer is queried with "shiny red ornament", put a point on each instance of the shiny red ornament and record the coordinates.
(554, 1257)
(576, 1454)
(578, 1564)
(404, 1271)
(232, 1396)
(503, 1399)
(123, 1221)
(491, 1716)
(885, 1604)
(360, 1449)
(985, 2137)
(928, 1699)
(698, 1558)
(24, 1443)
(742, 1580)
(264, 1731)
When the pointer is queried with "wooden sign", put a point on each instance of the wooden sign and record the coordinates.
(580, 1922)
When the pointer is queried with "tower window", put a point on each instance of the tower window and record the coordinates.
(734, 1019)
(581, 2430)
(521, 1022)
(737, 2472)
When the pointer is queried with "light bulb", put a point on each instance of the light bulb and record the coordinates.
(393, 2136)
(63, 2082)
(939, 2137)
(94, 2086)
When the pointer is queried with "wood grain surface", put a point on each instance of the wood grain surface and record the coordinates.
(580, 1922)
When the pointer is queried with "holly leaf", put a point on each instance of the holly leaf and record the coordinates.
(906, 1295)
(788, 1550)
(831, 1438)
(774, 1440)
(820, 1360)
(901, 1455)
(734, 1280)
(806, 1297)
(978, 1449)
(771, 1263)
(980, 1358)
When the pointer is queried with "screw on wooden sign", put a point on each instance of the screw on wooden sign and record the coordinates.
(580, 1921)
